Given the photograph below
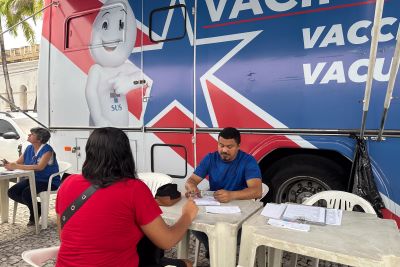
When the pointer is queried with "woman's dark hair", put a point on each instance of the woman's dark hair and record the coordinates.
(42, 134)
(108, 157)
(230, 133)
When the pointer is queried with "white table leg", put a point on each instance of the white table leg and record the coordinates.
(274, 257)
(32, 186)
(245, 247)
(4, 200)
(182, 247)
(223, 246)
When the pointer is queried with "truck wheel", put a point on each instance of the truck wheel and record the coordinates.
(298, 177)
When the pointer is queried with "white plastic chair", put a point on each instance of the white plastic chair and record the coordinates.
(260, 252)
(37, 257)
(340, 200)
(154, 180)
(45, 195)
(336, 200)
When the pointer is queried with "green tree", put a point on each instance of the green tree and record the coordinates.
(13, 12)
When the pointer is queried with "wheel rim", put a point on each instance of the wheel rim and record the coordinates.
(299, 188)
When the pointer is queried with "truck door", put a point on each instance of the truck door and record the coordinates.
(168, 66)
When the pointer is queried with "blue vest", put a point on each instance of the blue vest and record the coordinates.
(52, 167)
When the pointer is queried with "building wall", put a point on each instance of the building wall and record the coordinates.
(23, 77)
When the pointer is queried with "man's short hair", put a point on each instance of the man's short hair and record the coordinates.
(42, 134)
(230, 133)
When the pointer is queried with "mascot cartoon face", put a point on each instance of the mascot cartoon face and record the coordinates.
(113, 34)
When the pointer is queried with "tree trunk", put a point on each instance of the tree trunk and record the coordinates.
(9, 90)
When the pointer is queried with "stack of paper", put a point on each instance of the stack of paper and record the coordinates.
(333, 217)
(289, 225)
(305, 214)
(206, 201)
(272, 210)
(223, 209)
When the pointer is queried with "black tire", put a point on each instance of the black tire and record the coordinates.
(294, 178)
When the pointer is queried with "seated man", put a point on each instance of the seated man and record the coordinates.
(232, 173)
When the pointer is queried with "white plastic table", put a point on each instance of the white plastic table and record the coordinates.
(4, 181)
(221, 230)
(362, 240)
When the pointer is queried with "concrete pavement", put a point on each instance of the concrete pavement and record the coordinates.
(16, 238)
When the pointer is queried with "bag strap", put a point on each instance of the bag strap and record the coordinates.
(78, 202)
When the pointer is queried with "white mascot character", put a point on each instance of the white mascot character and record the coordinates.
(112, 76)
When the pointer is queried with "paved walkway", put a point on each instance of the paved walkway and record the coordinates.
(16, 238)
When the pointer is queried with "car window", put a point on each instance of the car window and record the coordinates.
(5, 126)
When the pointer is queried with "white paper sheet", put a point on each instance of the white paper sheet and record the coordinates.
(11, 172)
(334, 217)
(206, 201)
(207, 193)
(289, 225)
(272, 210)
(306, 214)
(223, 209)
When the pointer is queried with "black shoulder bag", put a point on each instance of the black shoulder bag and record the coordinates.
(76, 204)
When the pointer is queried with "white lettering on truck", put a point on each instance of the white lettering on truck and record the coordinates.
(335, 35)
(217, 9)
(357, 33)
(336, 72)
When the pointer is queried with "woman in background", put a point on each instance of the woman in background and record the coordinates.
(107, 227)
(41, 158)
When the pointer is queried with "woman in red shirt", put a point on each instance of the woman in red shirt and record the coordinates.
(107, 227)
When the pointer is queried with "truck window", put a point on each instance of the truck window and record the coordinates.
(109, 19)
(5, 127)
(157, 21)
(159, 160)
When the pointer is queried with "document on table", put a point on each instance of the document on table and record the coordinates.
(206, 201)
(223, 209)
(334, 217)
(12, 172)
(303, 213)
(289, 225)
(207, 193)
(272, 210)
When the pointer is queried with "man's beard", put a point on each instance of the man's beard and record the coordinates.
(224, 156)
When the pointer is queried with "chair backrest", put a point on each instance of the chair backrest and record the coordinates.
(265, 190)
(154, 180)
(340, 200)
(64, 166)
(36, 257)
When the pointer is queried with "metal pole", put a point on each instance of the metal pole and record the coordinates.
(194, 140)
(371, 66)
(392, 79)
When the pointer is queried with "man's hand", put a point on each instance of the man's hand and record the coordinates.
(191, 190)
(223, 196)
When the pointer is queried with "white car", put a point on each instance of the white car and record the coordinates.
(14, 130)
